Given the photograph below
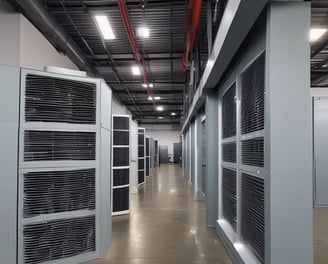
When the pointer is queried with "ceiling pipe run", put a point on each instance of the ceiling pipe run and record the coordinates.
(191, 26)
(39, 16)
(133, 43)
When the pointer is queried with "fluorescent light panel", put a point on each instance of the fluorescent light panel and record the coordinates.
(144, 85)
(173, 114)
(159, 108)
(317, 33)
(136, 70)
(105, 27)
(143, 32)
(157, 98)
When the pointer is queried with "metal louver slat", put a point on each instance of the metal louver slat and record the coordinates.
(50, 99)
(59, 239)
(252, 218)
(59, 145)
(252, 152)
(229, 113)
(229, 153)
(49, 192)
(252, 98)
(229, 198)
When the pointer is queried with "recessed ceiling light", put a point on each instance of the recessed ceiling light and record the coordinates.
(173, 114)
(143, 32)
(317, 33)
(136, 70)
(157, 98)
(105, 27)
(160, 117)
(144, 85)
(325, 65)
(159, 108)
(150, 98)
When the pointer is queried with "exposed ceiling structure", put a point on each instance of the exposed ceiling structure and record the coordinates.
(161, 52)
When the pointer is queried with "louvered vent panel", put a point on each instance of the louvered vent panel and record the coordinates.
(229, 198)
(120, 157)
(121, 198)
(252, 152)
(121, 123)
(252, 219)
(50, 99)
(141, 139)
(252, 98)
(141, 164)
(156, 147)
(141, 176)
(229, 152)
(229, 113)
(147, 166)
(49, 192)
(53, 240)
(141, 131)
(147, 146)
(121, 138)
(59, 145)
(121, 177)
(141, 152)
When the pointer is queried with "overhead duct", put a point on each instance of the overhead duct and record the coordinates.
(39, 16)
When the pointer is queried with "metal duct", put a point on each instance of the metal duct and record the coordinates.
(39, 16)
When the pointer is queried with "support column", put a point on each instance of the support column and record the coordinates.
(212, 157)
(288, 146)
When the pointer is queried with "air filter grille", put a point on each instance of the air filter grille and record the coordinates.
(252, 152)
(147, 146)
(229, 198)
(252, 219)
(50, 99)
(121, 138)
(121, 123)
(147, 166)
(59, 145)
(121, 156)
(49, 192)
(141, 176)
(229, 153)
(121, 177)
(59, 239)
(141, 139)
(141, 151)
(229, 113)
(252, 99)
(121, 198)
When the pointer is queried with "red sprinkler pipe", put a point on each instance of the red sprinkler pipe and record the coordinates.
(133, 43)
(191, 27)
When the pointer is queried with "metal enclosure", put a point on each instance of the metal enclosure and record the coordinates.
(177, 149)
(320, 151)
(141, 156)
(163, 154)
(62, 135)
(121, 164)
(147, 156)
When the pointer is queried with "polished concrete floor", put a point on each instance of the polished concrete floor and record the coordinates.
(166, 226)
(320, 230)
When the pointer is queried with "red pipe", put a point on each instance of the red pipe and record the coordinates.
(133, 43)
(191, 26)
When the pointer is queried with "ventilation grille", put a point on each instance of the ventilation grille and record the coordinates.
(121, 138)
(121, 123)
(252, 219)
(252, 99)
(252, 152)
(121, 177)
(121, 199)
(229, 198)
(147, 166)
(58, 145)
(58, 191)
(147, 146)
(141, 139)
(120, 156)
(229, 152)
(141, 164)
(229, 113)
(141, 152)
(156, 147)
(58, 239)
(141, 176)
(141, 131)
(51, 99)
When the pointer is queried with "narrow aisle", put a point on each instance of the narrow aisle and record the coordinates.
(166, 226)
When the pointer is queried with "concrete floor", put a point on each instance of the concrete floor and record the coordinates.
(166, 226)
(320, 230)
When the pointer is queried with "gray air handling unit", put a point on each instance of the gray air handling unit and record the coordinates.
(141, 156)
(121, 164)
(55, 191)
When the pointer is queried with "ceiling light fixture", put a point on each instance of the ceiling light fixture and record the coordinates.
(144, 85)
(316, 33)
(150, 98)
(157, 98)
(136, 70)
(173, 114)
(159, 108)
(143, 32)
(160, 117)
(105, 27)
